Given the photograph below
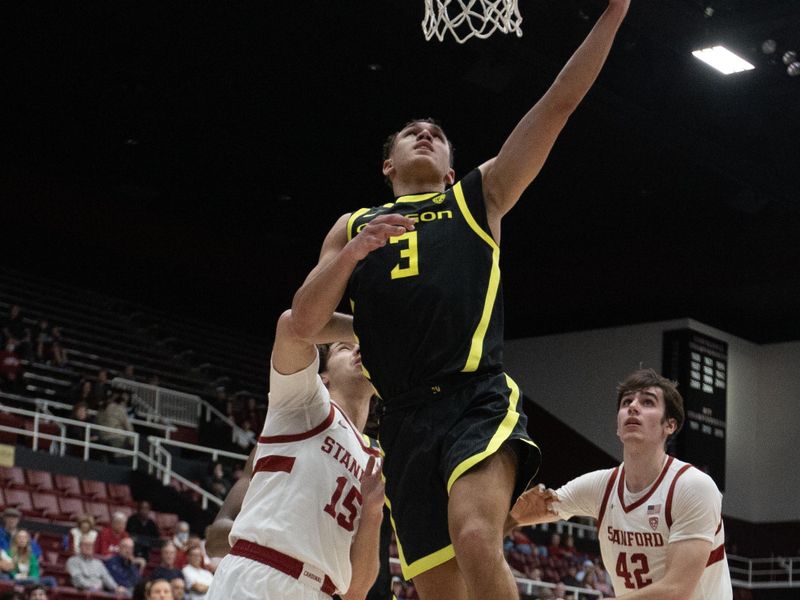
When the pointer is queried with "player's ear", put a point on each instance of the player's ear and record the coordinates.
(388, 168)
(450, 177)
(672, 426)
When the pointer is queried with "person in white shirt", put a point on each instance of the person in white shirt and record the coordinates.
(198, 579)
(659, 519)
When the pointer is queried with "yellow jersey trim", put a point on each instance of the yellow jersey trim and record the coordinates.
(352, 220)
(500, 436)
(476, 347)
(417, 197)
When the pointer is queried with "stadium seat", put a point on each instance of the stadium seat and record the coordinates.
(40, 480)
(71, 507)
(96, 490)
(13, 477)
(68, 485)
(47, 428)
(120, 493)
(46, 504)
(20, 499)
(99, 510)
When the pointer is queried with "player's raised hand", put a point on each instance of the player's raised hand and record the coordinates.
(377, 232)
(372, 488)
(535, 506)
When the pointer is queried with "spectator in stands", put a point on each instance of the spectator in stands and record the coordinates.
(253, 413)
(570, 578)
(23, 562)
(245, 437)
(181, 536)
(48, 344)
(11, 368)
(15, 331)
(178, 586)
(158, 589)
(80, 412)
(110, 537)
(123, 567)
(11, 518)
(560, 592)
(102, 388)
(84, 392)
(568, 549)
(115, 415)
(143, 529)
(216, 483)
(129, 372)
(89, 573)
(167, 569)
(84, 529)
(197, 578)
(554, 550)
(37, 592)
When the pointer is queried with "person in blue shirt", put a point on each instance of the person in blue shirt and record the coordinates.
(123, 567)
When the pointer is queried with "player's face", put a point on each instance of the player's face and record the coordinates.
(344, 362)
(641, 417)
(420, 149)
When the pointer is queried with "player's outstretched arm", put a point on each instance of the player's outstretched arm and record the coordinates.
(324, 287)
(364, 551)
(523, 154)
(217, 533)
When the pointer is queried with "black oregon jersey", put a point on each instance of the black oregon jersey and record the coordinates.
(429, 303)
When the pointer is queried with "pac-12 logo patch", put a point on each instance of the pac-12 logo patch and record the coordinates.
(438, 199)
(653, 523)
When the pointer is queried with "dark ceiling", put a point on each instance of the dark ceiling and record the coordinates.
(192, 155)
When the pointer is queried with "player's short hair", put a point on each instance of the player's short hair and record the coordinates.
(645, 378)
(388, 145)
(324, 350)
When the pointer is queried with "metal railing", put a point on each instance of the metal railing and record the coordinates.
(155, 403)
(764, 573)
(160, 465)
(91, 432)
(47, 406)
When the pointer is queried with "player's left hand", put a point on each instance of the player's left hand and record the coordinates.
(372, 488)
(535, 506)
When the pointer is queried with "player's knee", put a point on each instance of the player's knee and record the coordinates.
(476, 540)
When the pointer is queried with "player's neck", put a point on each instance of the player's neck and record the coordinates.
(642, 467)
(412, 184)
(354, 401)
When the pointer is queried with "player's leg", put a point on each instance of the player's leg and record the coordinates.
(444, 582)
(479, 503)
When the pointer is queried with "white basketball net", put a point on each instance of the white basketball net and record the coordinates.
(467, 18)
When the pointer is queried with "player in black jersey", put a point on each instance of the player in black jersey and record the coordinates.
(422, 275)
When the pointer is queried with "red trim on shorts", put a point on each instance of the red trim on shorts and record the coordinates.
(274, 464)
(278, 560)
(606, 496)
(280, 439)
(671, 492)
(716, 555)
(643, 499)
(368, 449)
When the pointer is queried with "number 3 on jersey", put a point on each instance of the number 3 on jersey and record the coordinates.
(634, 579)
(409, 257)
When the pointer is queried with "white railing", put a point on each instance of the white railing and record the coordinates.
(153, 402)
(47, 406)
(764, 573)
(160, 465)
(576, 530)
(89, 430)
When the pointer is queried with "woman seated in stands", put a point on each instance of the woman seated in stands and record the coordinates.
(20, 563)
(84, 529)
(48, 344)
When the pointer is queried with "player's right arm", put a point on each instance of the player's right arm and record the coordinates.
(324, 287)
(217, 543)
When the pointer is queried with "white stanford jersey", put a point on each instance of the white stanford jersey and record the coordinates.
(304, 498)
(634, 529)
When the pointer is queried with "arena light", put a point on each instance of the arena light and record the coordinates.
(723, 60)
